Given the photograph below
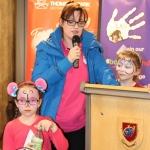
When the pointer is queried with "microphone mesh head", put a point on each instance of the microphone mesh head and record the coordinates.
(75, 39)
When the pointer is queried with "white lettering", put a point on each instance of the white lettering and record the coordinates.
(84, 4)
(111, 62)
(137, 49)
(39, 32)
(59, 3)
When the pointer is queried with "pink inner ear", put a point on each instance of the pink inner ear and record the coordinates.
(10, 87)
(41, 82)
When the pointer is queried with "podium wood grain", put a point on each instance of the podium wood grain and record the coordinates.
(104, 105)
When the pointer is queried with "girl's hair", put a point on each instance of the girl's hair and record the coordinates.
(69, 9)
(135, 57)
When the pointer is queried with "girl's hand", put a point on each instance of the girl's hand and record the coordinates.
(47, 125)
(74, 53)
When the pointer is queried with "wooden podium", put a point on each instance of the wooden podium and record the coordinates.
(117, 117)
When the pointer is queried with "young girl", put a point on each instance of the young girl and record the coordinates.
(128, 67)
(18, 133)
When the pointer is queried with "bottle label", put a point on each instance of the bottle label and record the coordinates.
(38, 146)
(38, 143)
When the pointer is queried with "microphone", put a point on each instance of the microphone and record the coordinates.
(75, 42)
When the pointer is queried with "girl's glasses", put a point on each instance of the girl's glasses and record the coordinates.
(31, 102)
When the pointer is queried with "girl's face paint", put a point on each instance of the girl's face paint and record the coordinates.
(28, 93)
(126, 69)
(125, 66)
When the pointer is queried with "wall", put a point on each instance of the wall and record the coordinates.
(7, 54)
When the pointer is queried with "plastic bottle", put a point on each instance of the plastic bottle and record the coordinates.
(38, 139)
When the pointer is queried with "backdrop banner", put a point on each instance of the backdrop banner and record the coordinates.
(126, 23)
(43, 18)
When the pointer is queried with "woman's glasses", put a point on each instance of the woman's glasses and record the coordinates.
(73, 23)
(31, 102)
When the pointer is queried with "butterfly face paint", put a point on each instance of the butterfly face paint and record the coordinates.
(27, 95)
(125, 66)
(28, 100)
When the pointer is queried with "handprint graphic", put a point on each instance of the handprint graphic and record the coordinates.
(119, 30)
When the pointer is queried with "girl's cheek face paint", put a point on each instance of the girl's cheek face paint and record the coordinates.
(125, 66)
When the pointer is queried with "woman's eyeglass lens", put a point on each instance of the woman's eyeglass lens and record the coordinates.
(73, 23)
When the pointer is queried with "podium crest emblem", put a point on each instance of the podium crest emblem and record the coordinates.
(130, 131)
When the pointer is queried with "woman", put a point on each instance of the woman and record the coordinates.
(54, 62)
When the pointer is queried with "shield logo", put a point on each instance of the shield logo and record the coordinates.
(130, 131)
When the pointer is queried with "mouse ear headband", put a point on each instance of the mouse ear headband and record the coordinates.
(40, 84)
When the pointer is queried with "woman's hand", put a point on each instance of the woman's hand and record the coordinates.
(47, 125)
(74, 53)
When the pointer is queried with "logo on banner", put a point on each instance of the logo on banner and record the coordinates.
(54, 5)
(41, 4)
(120, 30)
(130, 131)
(146, 63)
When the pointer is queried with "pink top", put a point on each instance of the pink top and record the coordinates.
(71, 112)
(16, 132)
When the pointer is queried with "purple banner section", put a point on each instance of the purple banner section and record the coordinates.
(126, 22)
